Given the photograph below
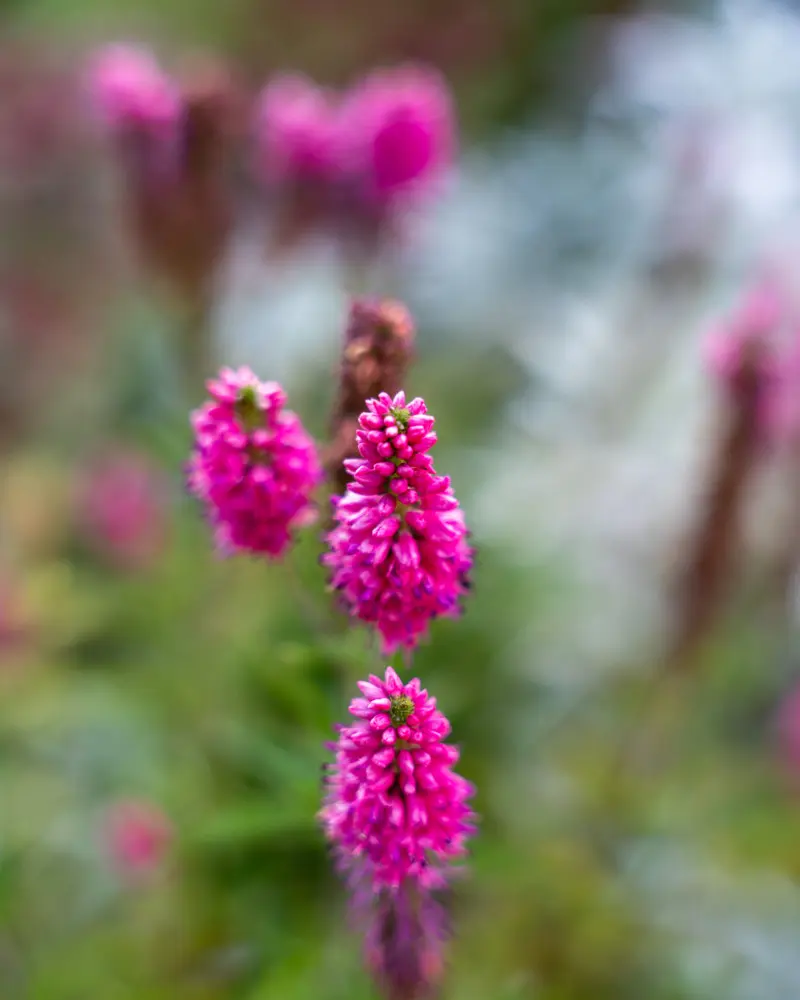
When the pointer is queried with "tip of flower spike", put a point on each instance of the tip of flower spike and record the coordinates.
(248, 407)
(401, 707)
(392, 682)
(401, 416)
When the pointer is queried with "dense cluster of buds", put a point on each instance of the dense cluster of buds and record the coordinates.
(254, 466)
(398, 817)
(399, 554)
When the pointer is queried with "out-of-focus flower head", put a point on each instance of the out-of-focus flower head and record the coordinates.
(399, 555)
(398, 135)
(295, 132)
(254, 466)
(760, 345)
(121, 506)
(15, 623)
(351, 163)
(138, 835)
(131, 90)
(398, 818)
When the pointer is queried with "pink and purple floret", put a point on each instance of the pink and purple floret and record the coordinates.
(398, 552)
(253, 466)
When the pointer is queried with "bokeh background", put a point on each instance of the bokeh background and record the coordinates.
(623, 171)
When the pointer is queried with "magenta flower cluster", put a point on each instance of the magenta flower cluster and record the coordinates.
(399, 555)
(395, 809)
(253, 466)
(398, 818)
(388, 140)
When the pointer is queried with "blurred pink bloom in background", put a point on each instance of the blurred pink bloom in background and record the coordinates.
(254, 467)
(398, 133)
(295, 131)
(354, 161)
(138, 835)
(762, 336)
(122, 508)
(130, 89)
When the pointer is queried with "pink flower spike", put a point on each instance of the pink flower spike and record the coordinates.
(129, 88)
(398, 818)
(138, 835)
(398, 133)
(253, 466)
(398, 572)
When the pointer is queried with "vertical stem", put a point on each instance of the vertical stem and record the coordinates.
(711, 552)
(195, 348)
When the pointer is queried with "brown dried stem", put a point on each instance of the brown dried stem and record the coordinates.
(377, 351)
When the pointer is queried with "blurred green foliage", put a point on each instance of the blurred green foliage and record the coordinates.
(209, 687)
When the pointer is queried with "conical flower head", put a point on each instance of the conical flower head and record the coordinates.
(399, 555)
(253, 466)
(398, 817)
(395, 810)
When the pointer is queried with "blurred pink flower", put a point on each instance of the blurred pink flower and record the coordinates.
(762, 338)
(138, 835)
(14, 626)
(295, 131)
(122, 507)
(129, 88)
(398, 134)
(253, 465)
